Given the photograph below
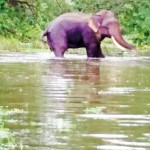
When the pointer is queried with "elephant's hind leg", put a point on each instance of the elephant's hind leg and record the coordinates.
(59, 49)
(57, 45)
(59, 52)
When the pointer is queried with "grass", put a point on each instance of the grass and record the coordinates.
(14, 45)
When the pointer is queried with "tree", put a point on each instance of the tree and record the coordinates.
(24, 19)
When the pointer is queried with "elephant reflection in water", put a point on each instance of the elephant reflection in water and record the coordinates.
(86, 70)
(67, 84)
(77, 76)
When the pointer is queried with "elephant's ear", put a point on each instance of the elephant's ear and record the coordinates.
(93, 25)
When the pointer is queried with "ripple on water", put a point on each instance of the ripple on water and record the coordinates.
(112, 147)
(115, 116)
(122, 90)
(67, 106)
(44, 56)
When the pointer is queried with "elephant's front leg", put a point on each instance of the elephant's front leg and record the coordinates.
(100, 52)
(94, 50)
(58, 46)
(92, 44)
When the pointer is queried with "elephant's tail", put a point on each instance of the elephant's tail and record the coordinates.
(42, 36)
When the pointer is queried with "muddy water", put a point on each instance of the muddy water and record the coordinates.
(75, 103)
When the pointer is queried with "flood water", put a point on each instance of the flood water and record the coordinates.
(76, 103)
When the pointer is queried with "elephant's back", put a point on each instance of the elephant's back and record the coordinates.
(68, 20)
(76, 16)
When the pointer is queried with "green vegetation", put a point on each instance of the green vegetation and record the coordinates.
(22, 21)
(94, 110)
(7, 141)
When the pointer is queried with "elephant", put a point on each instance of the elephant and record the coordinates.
(76, 30)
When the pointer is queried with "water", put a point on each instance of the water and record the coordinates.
(76, 103)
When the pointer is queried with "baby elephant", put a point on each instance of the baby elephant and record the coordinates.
(75, 30)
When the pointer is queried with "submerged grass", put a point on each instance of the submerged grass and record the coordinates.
(94, 110)
(7, 140)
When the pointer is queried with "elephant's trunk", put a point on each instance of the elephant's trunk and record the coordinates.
(117, 38)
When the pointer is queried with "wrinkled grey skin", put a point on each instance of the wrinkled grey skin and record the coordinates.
(72, 30)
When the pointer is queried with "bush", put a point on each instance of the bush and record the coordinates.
(24, 20)
(136, 21)
(134, 16)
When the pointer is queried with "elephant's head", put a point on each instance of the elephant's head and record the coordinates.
(105, 23)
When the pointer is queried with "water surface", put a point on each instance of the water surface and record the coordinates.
(76, 103)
